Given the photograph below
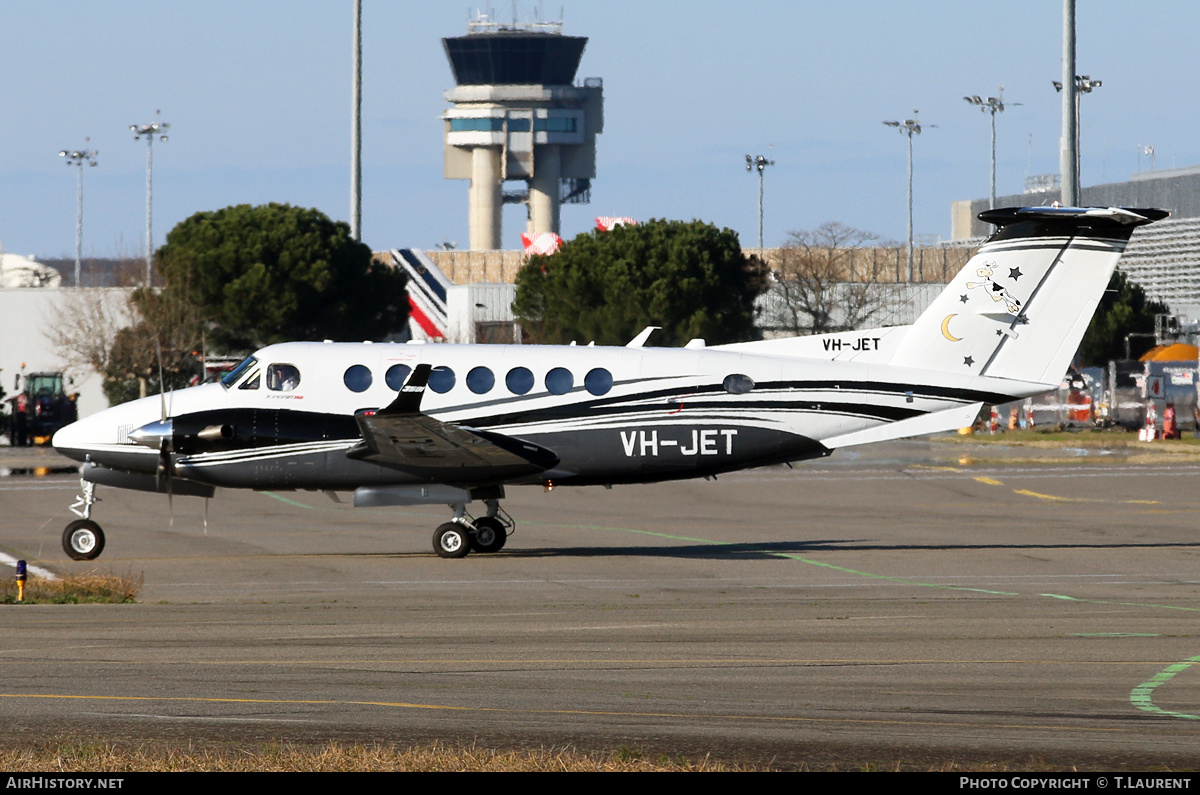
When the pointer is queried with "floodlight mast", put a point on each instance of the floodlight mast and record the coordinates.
(1068, 143)
(77, 157)
(909, 127)
(760, 162)
(992, 105)
(356, 130)
(148, 131)
(1084, 84)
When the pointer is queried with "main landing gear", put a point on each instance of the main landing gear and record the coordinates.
(464, 533)
(83, 539)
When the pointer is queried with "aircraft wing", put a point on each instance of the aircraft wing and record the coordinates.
(402, 437)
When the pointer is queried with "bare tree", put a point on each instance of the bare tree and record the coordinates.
(88, 324)
(127, 336)
(823, 282)
(164, 340)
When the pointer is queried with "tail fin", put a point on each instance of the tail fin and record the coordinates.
(1020, 307)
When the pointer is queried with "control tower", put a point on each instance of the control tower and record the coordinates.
(517, 115)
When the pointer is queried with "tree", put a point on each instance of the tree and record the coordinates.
(266, 274)
(160, 349)
(88, 322)
(820, 285)
(1123, 310)
(689, 278)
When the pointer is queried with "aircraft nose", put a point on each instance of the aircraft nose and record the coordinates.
(64, 436)
(73, 440)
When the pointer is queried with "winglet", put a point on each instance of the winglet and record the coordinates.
(408, 400)
(641, 338)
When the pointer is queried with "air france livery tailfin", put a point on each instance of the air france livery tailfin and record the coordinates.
(1020, 307)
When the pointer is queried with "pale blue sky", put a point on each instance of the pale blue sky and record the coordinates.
(258, 96)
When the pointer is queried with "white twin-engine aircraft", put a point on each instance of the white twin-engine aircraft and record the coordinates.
(452, 424)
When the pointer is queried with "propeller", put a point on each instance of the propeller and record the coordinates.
(165, 467)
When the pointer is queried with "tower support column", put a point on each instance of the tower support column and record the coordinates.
(544, 204)
(485, 198)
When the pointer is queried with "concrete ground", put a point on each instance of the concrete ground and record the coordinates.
(896, 603)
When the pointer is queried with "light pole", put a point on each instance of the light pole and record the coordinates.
(909, 127)
(991, 105)
(761, 163)
(148, 131)
(1084, 84)
(1068, 142)
(356, 130)
(77, 157)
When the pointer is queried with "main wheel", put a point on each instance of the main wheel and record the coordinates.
(83, 540)
(490, 535)
(451, 541)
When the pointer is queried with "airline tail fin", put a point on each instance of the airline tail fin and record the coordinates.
(1020, 307)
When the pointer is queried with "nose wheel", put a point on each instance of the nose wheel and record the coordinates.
(83, 540)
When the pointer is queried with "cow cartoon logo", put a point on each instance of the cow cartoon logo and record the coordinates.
(997, 291)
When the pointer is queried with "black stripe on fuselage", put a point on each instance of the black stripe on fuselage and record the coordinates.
(612, 404)
(262, 428)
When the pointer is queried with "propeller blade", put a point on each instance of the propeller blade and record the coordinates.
(162, 389)
(164, 461)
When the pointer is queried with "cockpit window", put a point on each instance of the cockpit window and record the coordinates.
(234, 375)
(283, 377)
(251, 383)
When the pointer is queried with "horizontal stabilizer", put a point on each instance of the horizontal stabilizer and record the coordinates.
(935, 422)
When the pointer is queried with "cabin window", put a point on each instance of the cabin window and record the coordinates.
(480, 380)
(519, 380)
(283, 377)
(598, 381)
(231, 378)
(396, 375)
(357, 378)
(559, 381)
(738, 384)
(441, 380)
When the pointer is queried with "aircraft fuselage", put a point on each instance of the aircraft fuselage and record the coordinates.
(610, 415)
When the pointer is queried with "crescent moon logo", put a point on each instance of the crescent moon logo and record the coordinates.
(946, 329)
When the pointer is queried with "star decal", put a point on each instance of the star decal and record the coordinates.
(999, 332)
(963, 298)
(1015, 273)
(968, 361)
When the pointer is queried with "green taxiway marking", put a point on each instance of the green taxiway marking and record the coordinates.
(1116, 634)
(1141, 696)
(285, 499)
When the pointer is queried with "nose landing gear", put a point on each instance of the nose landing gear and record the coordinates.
(83, 539)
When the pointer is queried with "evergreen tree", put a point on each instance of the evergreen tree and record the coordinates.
(1123, 310)
(266, 274)
(690, 278)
